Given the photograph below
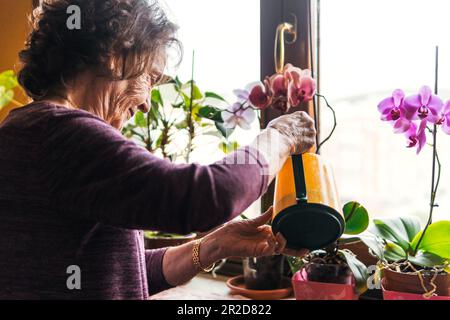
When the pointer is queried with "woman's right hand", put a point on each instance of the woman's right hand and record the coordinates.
(298, 129)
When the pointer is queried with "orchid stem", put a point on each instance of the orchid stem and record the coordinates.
(434, 188)
(334, 124)
(434, 181)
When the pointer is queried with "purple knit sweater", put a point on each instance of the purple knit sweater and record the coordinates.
(74, 192)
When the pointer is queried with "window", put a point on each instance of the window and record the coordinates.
(368, 49)
(227, 51)
(225, 36)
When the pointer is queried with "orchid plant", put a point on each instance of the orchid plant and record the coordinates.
(403, 242)
(280, 91)
(356, 222)
(180, 113)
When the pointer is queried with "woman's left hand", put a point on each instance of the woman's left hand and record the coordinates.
(250, 238)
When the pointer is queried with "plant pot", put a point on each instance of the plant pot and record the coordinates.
(305, 289)
(157, 242)
(395, 295)
(408, 283)
(362, 252)
(264, 273)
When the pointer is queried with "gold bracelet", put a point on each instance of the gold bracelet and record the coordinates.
(196, 257)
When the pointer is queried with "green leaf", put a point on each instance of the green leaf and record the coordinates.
(295, 263)
(177, 105)
(211, 113)
(186, 101)
(427, 259)
(358, 268)
(177, 82)
(394, 253)
(140, 119)
(196, 93)
(399, 230)
(6, 97)
(356, 218)
(224, 131)
(214, 96)
(436, 239)
(375, 245)
(8, 80)
(229, 147)
(156, 97)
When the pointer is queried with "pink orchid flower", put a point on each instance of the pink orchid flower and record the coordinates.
(259, 97)
(392, 109)
(236, 115)
(302, 87)
(417, 136)
(445, 118)
(423, 106)
(284, 90)
(278, 86)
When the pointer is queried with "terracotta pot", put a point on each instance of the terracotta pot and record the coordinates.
(163, 242)
(410, 283)
(264, 273)
(311, 290)
(362, 252)
(394, 295)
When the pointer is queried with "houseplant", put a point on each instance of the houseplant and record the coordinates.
(415, 260)
(333, 273)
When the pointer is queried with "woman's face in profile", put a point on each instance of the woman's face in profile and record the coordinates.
(127, 97)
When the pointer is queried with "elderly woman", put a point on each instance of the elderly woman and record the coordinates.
(75, 193)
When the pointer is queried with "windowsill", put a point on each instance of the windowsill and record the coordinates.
(202, 287)
(206, 287)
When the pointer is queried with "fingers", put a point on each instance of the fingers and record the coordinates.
(281, 243)
(281, 248)
(262, 219)
(299, 128)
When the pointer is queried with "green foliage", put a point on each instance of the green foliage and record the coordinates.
(396, 239)
(358, 268)
(179, 108)
(8, 81)
(436, 240)
(356, 218)
(399, 230)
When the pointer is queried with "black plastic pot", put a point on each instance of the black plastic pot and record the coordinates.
(265, 273)
(328, 273)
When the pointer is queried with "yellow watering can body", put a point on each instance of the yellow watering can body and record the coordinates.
(307, 209)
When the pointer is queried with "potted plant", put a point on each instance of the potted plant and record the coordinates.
(415, 260)
(333, 273)
(412, 268)
(264, 273)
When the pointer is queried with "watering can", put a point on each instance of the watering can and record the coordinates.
(307, 209)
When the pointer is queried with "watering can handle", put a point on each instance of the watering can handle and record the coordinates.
(299, 179)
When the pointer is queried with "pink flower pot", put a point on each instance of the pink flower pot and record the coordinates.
(310, 290)
(395, 295)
